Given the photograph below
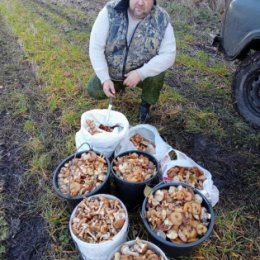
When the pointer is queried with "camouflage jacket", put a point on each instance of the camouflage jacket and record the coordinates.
(144, 44)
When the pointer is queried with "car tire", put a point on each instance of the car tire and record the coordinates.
(246, 89)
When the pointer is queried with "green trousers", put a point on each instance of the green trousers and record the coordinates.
(151, 88)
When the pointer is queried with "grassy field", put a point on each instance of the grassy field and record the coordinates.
(195, 114)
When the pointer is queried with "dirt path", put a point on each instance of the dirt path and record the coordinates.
(28, 237)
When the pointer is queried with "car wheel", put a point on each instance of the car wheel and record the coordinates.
(246, 89)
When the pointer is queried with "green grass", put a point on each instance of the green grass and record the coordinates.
(202, 106)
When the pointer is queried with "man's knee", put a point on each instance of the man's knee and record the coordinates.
(95, 89)
(151, 88)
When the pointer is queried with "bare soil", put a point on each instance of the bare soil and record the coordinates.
(28, 236)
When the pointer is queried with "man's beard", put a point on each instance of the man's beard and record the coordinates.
(137, 15)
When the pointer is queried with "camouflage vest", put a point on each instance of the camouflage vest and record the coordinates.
(144, 45)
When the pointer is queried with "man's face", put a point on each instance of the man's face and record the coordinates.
(140, 8)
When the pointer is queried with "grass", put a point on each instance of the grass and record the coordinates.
(3, 224)
(52, 112)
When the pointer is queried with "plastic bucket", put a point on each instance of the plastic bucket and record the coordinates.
(74, 200)
(170, 248)
(132, 193)
(90, 251)
(151, 246)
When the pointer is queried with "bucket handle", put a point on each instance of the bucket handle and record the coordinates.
(160, 183)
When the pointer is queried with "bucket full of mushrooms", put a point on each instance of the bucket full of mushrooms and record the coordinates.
(178, 217)
(132, 171)
(81, 175)
(98, 225)
(137, 250)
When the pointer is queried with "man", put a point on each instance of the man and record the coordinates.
(132, 44)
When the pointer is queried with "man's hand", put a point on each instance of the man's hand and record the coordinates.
(109, 88)
(132, 79)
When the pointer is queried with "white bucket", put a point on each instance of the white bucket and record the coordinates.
(91, 251)
(151, 246)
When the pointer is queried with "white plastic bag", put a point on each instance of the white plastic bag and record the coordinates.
(103, 142)
(148, 132)
(209, 190)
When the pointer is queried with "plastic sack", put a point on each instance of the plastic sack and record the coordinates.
(209, 190)
(90, 251)
(103, 142)
(148, 132)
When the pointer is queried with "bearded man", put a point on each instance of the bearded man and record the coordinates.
(132, 44)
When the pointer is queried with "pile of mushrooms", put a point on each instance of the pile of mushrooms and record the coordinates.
(98, 219)
(93, 129)
(134, 167)
(138, 251)
(143, 144)
(82, 175)
(190, 175)
(177, 215)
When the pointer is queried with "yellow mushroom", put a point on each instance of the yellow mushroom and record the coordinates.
(176, 218)
(201, 229)
(196, 208)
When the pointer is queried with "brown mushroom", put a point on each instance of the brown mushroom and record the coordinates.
(118, 224)
(153, 257)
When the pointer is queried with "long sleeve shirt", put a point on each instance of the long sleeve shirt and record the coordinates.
(159, 63)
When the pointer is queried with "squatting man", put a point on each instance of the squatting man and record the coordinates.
(132, 44)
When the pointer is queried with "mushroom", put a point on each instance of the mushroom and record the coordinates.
(159, 195)
(189, 231)
(172, 234)
(155, 202)
(172, 190)
(163, 214)
(117, 256)
(106, 236)
(74, 188)
(204, 215)
(180, 194)
(125, 250)
(168, 222)
(125, 257)
(91, 127)
(196, 208)
(198, 198)
(153, 257)
(201, 229)
(142, 247)
(182, 236)
(176, 218)
(118, 224)
(160, 233)
(189, 195)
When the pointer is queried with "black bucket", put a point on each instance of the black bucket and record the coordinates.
(170, 248)
(74, 200)
(132, 193)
